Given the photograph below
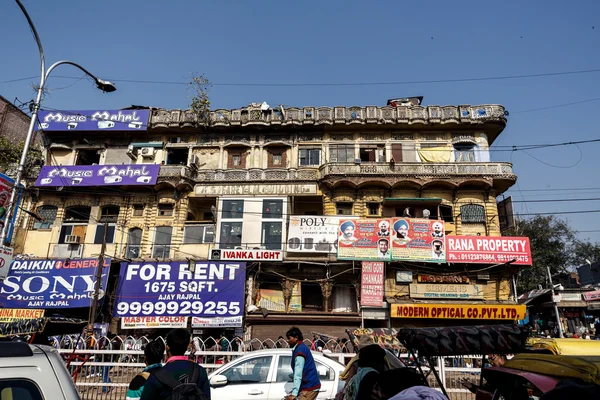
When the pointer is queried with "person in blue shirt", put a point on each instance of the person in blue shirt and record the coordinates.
(306, 377)
(154, 352)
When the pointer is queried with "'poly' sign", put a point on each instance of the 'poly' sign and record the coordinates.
(217, 322)
(488, 250)
(214, 289)
(313, 234)
(51, 283)
(94, 120)
(371, 284)
(98, 175)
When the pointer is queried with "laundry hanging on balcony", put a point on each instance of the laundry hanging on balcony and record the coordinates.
(435, 154)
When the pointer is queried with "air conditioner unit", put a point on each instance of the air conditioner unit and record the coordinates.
(132, 152)
(147, 152)
(357, 161)
(72, 239)
(196, 162)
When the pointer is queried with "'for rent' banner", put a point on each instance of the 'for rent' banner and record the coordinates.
(213, 290)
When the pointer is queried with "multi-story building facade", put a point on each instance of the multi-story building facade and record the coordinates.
(253, 184)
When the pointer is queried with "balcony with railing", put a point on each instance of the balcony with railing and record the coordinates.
(436, 170)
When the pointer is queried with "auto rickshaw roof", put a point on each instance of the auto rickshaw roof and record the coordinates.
(465, 340)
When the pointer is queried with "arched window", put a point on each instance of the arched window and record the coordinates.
(464, 152)
(48, 215)
(108, 215)
(472, 213)
(134, 243)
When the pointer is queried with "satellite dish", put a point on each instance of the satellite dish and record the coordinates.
(264, 106)
(101, 294)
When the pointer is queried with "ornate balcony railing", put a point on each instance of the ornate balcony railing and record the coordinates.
(175, 171)
(257, 175)
(419, 169)
(253, 115)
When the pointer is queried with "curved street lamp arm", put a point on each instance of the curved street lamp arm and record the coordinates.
(35, 35)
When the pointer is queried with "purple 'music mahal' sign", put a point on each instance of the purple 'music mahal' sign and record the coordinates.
(94, 120)
(98, 175)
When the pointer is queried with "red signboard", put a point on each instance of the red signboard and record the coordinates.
(591, 296)
(371, 287)
(488, 249)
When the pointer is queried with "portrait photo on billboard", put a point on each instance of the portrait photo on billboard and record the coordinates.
(364, 239)
(418, 239)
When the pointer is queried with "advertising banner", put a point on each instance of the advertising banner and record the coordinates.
(98, 175)
(416, 239)
(489, 250)
(6, 185)
(371, 284)
(445, 291)
(155, 289)
(153, 322)
(18, 314)
(313, 234)
(51, 283)
(456, 311)
(94, 120)
(591, 296)
(6, 257)
(427, 278)
(273, 300)
(364, 239)
(217, 322)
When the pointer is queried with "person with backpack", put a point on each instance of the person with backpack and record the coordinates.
(179, 378)
(154, 354)
(306, 377)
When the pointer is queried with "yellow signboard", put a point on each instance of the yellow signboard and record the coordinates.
(459, 311)
(18, 314)
(445, 291)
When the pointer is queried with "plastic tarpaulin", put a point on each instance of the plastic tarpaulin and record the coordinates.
(385, 337)
(463, 340)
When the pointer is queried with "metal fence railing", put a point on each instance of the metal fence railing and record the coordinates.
(96, 371)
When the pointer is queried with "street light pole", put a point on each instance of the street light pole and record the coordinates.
(102, 85)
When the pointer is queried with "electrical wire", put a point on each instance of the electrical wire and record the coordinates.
(333, 84)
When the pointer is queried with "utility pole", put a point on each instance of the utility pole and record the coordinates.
(93, 309)
(560, 331)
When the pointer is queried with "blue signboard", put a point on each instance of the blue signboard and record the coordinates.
(98, 175)
(51, 283)
(94, 120)
(154, 289)
(6, 185)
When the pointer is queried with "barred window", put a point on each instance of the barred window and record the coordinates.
(48, 215)
(472, 213)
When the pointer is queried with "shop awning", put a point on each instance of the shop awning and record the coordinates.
(566, 304)
(49, 326)
(594, 306)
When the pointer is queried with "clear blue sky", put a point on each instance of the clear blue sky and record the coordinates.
(340, 42)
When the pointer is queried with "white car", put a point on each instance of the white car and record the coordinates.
(267, 374)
